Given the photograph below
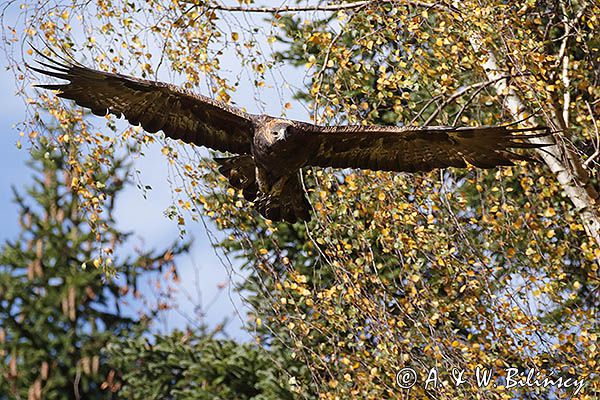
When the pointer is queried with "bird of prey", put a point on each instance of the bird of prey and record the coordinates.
(271, 151)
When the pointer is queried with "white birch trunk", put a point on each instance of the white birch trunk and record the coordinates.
(565, 165)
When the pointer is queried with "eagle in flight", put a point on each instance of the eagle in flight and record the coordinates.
(271, 151)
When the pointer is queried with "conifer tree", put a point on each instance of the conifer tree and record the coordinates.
(57, 310)
(198, 366)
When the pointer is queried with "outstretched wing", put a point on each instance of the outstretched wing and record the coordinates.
(414, 149)
(156, 106)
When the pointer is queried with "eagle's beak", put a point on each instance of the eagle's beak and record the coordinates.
(283, 134)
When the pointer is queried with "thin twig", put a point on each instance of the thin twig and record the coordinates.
(597, 152)
(422, 110)
(76, 384)
(320, 75)
(475, 93)
(479, 86)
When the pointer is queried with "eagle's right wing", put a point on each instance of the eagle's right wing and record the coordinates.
(412, 149)
(156, 106)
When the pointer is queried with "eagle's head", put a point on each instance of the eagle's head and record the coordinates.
(277, 131)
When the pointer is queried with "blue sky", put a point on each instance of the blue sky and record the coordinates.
(143, 217)
(201, 271)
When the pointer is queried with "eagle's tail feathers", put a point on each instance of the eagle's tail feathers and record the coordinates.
(287, 202)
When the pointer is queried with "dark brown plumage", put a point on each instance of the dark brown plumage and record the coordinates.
(273, 150)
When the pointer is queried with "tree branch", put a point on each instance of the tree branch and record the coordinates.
(272, 10)
(565, 66)
(326, 7)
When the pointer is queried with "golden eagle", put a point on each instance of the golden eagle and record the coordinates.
(271, 151)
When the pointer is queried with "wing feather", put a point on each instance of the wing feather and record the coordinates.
(153, 105)
(412, 149)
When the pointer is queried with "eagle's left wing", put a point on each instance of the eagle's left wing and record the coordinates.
(414, 149)
(156, 106)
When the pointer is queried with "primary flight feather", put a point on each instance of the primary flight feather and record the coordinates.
(271, 151)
